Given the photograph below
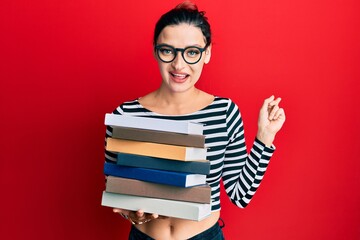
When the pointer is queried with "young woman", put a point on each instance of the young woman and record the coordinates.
(182, 45)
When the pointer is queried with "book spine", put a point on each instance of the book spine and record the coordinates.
(145, 135)
(170, 208)
(152, 175)
(200, 194)
(132, 160)
(166, 125)
(180, 153)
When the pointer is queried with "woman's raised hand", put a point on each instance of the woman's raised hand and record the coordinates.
(271, 119)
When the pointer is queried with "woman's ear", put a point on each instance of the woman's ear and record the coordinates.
(207, 54)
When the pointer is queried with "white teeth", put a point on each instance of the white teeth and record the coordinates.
(179, 75)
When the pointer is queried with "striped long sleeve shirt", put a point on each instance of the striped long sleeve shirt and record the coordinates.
(240, 171)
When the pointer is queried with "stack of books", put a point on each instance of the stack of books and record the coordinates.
(161, 167)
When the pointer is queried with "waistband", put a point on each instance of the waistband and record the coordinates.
(211, 233)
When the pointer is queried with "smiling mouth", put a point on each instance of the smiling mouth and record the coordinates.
(178, 76)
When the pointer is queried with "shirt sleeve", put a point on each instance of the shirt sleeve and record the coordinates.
(242, 171)
(111, 156)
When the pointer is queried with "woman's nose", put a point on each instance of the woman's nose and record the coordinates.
(178, 62)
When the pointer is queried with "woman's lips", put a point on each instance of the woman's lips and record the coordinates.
(179, 77)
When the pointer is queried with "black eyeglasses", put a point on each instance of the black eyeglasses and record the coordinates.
(167, 53)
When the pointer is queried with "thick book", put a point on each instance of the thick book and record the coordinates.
(156, 176)
(163, 207)
(158, 150)
(166, 125)
(199, 194)
(132, 160)
(145, 135)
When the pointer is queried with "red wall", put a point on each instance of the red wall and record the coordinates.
(64, 64)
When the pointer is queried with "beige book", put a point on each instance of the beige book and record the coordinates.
(158, 150)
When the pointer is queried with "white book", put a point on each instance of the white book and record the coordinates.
(169, 208)
(166, 125)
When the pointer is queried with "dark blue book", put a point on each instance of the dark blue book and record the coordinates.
(156, 176)
(132, 160)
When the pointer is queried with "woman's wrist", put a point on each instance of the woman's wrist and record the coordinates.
(265, 138)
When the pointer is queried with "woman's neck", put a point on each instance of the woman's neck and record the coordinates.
(176, 99)
(169, 103)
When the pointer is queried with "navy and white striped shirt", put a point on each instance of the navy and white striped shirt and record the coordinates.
(224, 138)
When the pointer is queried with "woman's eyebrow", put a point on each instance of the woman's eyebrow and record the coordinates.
(192, 45)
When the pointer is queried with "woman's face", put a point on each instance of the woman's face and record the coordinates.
(178, 75)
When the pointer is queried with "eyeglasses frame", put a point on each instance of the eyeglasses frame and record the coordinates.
(176, 50)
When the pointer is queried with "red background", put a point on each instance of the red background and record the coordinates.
(64, 64)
